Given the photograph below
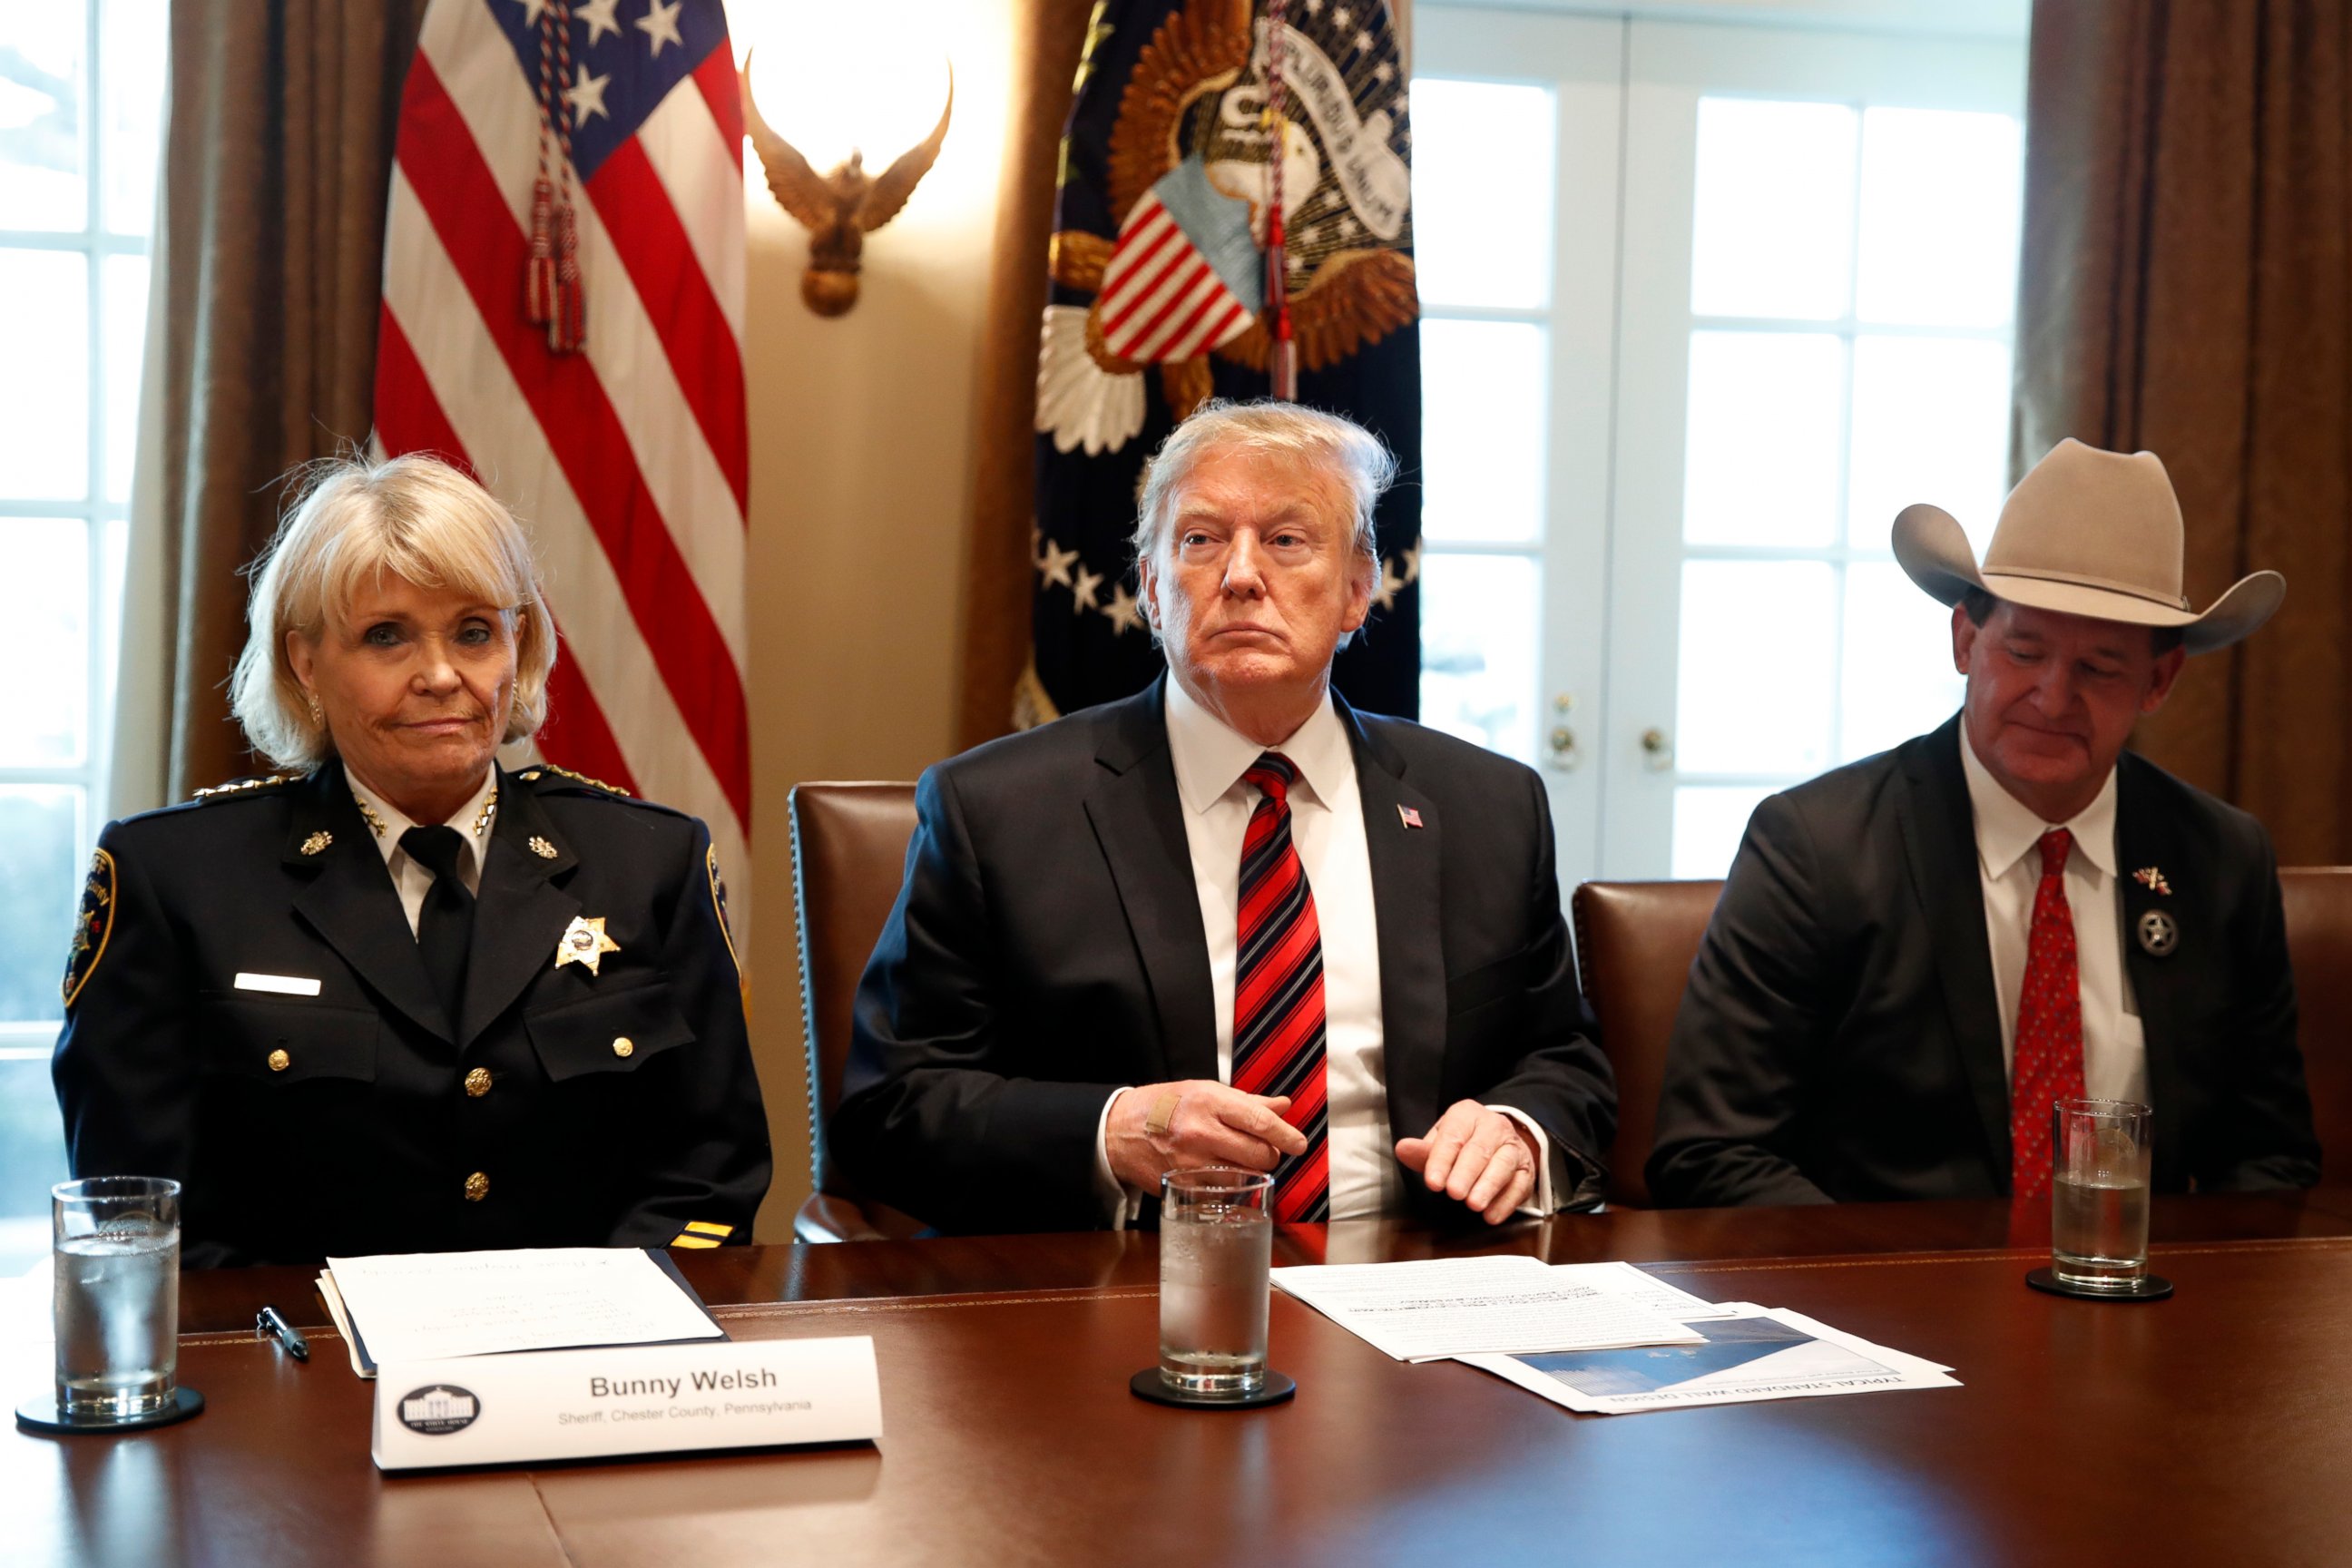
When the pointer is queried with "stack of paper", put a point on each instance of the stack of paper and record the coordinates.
(425, 1306)
(1510, 1305)
(1605, 1338)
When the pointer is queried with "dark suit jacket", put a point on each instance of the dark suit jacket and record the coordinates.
(363, 1141)
(1840, 1037)
(1046, 948)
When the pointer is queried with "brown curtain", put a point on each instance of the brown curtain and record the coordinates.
(275, 170)
(2187, 288)
(995, 632)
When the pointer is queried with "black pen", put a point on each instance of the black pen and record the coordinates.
(270, 1324)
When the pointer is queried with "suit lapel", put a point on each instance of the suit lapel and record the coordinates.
(2141, 841)
(1940, 840)
(351, 902)
(519, 913)
(1404, 861)
(1138, 820)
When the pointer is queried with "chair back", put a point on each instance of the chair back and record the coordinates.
(1634, 943)
(2319, 939)
(849, 854)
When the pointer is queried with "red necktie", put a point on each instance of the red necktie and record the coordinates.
(1279, 989)
(2047, 1065)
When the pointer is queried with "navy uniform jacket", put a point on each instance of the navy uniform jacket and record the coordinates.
(1047, 948)
(1840, 1037)
(563, 1107)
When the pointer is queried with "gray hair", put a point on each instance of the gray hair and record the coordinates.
(1308, 435)
(415, 517)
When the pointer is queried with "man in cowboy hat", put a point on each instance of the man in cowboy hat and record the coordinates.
(1916, 955)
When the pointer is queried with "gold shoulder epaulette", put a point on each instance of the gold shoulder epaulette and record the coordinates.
(530, 775)
(245, 787)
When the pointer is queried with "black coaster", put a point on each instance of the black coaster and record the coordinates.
(1146, 1384)
(2151, 1288)
(40, 1414)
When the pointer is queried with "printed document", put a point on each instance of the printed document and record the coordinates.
(428, 1306)
(1642, 1289)
(1760, 1354)
(1443, 1307)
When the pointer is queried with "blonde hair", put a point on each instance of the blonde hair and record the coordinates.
(414, 517)
(1341, 447)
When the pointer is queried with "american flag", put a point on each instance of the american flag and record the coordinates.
(1185, 274)
(627, 457)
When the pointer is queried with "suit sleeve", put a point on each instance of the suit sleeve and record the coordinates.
(1755, 1005)
(706, 1159)
(1562, 1081)
(935, 1118)
(2263, 1134)
(125, 1068)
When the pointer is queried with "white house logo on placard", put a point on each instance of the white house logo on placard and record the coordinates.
(439, 1410)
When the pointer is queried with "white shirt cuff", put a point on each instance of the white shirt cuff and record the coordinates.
(1120, 1203)
(1542, 1203)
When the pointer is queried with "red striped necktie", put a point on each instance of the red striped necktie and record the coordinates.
(1278, 990)
(2047, 1065)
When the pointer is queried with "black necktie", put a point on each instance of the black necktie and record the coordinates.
(444, 926)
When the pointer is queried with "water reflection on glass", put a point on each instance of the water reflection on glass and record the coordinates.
(1773, 217)
(1482, 431)
(1479, 635)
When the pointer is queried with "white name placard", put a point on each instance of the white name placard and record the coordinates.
(634, 1399)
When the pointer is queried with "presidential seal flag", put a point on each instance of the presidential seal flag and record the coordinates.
(1160, 300)
(563, 315)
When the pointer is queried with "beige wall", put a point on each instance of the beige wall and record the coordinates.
(861, 467)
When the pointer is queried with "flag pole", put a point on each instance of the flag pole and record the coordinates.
(1282, 363)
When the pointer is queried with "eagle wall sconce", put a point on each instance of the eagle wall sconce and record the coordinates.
(841, 207)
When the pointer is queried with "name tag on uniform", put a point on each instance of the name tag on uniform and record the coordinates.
(284, 984)
(632, 1399)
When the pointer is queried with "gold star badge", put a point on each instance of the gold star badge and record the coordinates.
(584, 941)
(317, 841)
(542, 848)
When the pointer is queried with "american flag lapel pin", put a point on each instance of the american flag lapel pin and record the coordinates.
(1409, 816)
(2154, 880)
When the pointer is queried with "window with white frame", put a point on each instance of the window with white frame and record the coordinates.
(82, 94)
(1704, 304)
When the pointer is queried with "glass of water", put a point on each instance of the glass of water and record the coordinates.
(115, 1253)
(1216, 1243)
(2099, 1193)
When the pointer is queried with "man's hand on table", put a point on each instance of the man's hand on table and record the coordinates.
(1201, 1122)
(1476, 1156)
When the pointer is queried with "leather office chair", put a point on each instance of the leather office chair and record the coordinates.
(850, 854)
(2319, 938)
(1634, 943)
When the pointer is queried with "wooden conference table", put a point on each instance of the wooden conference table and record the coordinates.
(2214, 1427)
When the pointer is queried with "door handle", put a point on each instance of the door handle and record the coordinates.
(1564, 755)
(1657, 750)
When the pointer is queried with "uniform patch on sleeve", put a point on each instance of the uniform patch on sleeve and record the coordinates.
(92, 925)
(718, 903)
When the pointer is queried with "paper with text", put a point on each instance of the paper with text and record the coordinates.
(428, 1306)
(1760, 1353)
(1643, 1289)
(1443, 1307)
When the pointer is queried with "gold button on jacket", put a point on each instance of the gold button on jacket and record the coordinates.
(478, 1082)
(477, 1187)
(624, 1045)
(279, 1061)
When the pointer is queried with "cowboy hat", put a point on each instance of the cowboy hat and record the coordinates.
(2091, 534)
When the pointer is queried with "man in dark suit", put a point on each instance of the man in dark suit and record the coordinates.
(1916, 956)
(1230, 921)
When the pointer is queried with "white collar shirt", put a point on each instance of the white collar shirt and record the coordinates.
(2009, 865)
(1327, 829)
(411, 879)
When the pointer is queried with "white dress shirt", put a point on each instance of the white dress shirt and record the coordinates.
(410, 878)
(2008, 861)
(1327, 829)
